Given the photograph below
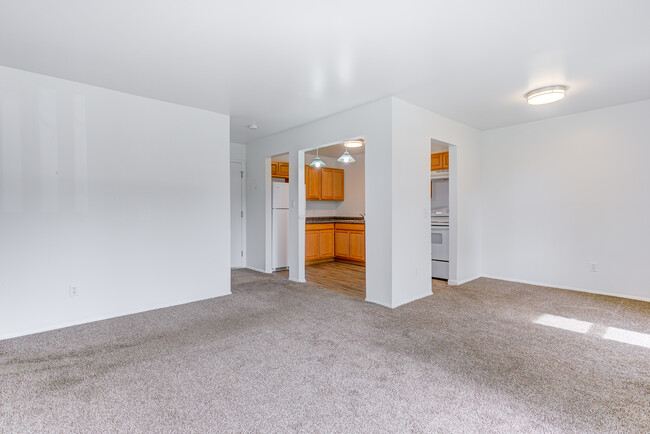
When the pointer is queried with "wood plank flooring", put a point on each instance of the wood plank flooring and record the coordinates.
(438, 285)
(346, 278)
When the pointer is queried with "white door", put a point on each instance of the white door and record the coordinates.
(236, 214)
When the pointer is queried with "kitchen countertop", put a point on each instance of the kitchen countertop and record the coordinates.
(353, 220)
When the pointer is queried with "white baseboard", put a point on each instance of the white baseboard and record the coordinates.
(257, 269)
(460, 282)
(569, 288)
(411, 299)
(380, 303)
(99, 318)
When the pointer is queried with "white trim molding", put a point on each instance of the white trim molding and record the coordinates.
(569, 288)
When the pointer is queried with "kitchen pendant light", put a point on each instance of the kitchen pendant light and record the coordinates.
(546, 95)
(346, 157)
(317, 163)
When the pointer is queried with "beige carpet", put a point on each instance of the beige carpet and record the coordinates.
(277, 356)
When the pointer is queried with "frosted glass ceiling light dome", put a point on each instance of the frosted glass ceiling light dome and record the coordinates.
(546, 95)
(317, 162)
(354, 143)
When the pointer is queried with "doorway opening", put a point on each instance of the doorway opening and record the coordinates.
(333, 206)
(443, 214)
(280, 213)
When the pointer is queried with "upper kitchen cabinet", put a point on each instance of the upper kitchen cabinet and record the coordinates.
(338, 184)
(313, 183)
(440, 161)
(324, 183)
(279, 169)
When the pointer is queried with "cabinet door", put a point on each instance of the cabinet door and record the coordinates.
(312, 183)
(342, 244)
(445, 161)
(338, 184)
(437, 161)
(327, 191)
(326, 247)
(274, 168)
(312, 239)
(283, 169)
(357, 246)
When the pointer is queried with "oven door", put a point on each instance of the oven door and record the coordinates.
(440, 243)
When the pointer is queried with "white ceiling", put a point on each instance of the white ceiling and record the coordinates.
(283, 63)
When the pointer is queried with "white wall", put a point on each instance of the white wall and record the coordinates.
(119, 195)
(413, 129)
(373, 122)
(237, 152)
(562, 193)
(282, 157)
(355, 191)
(397, 156)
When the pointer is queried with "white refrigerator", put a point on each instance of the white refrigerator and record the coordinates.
(280, 221)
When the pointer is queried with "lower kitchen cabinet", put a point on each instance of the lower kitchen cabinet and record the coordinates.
(358, 246)
(341, 241)
(326, 244)
(342, 244)
(350, 242)
(311, 245)
(319, 243)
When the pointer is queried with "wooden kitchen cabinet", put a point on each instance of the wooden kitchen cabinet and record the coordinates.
(283, 169)
(312, 239)
(279, 169)
(338, 184)
(341, 244)
(358, 246)
(313, 183)
(319, 243)
(326, 244)
(350, 242)
(324, 183)
(440, 161)
(327, 192)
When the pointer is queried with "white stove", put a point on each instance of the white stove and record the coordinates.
(440, 247)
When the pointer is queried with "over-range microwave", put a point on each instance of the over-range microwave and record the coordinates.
(440, 174)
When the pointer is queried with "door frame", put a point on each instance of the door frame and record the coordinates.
(300, 274)
(243, 206)
(453, 209)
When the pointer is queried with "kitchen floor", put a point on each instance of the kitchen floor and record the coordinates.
(345, 278)
(341, 277)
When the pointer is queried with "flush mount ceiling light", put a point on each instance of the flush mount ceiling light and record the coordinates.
(346, 157)
(546, 95)
(354, 143)
(317, 163)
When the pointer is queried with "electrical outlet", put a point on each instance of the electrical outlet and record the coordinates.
(593, 267)
(74, 291)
